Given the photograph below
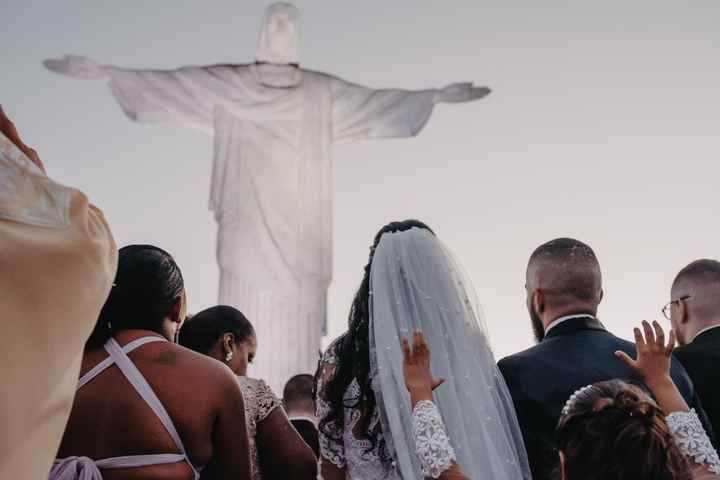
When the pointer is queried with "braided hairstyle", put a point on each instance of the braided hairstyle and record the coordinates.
(612, 430)
(148, 283)
(207, 327)
(352, 351)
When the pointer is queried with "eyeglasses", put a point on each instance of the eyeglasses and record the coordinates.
(667, 309)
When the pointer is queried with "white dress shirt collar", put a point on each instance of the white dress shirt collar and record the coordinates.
(303, 417)
(564, 319)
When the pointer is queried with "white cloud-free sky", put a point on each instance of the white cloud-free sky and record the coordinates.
(603, 125)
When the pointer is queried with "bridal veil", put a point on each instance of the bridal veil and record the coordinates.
(416, 284)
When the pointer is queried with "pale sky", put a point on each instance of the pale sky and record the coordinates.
(602, 125)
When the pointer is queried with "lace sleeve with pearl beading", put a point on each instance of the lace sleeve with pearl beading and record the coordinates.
(432, 444)
(694, 443)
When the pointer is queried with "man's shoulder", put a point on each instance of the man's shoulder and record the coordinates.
(525, 358)
(696, 353)
(559, 346)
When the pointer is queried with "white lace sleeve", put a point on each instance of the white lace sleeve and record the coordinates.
(694, 443)
(432, 444)
(266, 399)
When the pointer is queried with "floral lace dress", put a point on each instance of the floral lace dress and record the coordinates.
(260, 401)
(354, 453)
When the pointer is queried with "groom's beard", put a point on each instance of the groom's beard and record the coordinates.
(538, 328)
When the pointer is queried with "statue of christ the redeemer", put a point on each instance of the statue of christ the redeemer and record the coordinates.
(274, 124)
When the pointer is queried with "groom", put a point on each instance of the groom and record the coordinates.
(564, 289)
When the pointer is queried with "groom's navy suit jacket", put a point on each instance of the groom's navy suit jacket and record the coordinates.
(575, 353)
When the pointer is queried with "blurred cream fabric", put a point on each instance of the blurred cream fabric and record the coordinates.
(57, 264)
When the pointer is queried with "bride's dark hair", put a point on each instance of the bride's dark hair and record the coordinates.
(352, 353)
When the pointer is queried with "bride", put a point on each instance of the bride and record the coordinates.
(368, 427)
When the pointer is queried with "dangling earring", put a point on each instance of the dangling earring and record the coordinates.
(228, 357)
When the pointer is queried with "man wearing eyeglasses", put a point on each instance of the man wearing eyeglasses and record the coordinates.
(694, 312)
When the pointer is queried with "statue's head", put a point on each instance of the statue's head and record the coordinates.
(279, 36)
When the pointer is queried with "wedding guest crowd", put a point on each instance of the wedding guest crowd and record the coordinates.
(105, 375)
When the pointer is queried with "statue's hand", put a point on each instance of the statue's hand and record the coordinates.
(461, 92)
(75, 66)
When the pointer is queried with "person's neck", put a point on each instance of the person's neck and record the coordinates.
(135, 333)
(575, 311)
(301, 413)
(273, 64)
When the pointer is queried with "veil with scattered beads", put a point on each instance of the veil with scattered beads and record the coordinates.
(415, 283)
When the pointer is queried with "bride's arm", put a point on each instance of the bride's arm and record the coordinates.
(652, 364)
(432, 445)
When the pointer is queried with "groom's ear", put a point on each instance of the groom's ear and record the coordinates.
(682, 312)
(538, 301)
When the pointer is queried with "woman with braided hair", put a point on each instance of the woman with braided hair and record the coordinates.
(614, 430)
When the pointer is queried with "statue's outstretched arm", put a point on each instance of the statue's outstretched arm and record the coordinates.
(184, 96)
(461, 92)
(360, 112)
(76, 66)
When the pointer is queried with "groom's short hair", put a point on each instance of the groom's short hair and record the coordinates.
(700, 272)
(298, 392)
(567, 267)
(701, 280)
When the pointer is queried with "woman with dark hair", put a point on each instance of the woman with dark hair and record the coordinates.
(146, 408)
(370, 426)
(614, 430)
(276, 449)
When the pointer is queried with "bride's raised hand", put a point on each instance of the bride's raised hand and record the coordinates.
(416, 368)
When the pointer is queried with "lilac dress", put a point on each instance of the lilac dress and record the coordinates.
(84, 468)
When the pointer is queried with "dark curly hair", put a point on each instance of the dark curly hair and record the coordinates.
(613, 430)
(352, 351)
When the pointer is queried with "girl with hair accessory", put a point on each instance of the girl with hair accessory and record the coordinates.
(616, 430)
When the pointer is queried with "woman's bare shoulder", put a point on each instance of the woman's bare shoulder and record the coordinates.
(193, 366)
